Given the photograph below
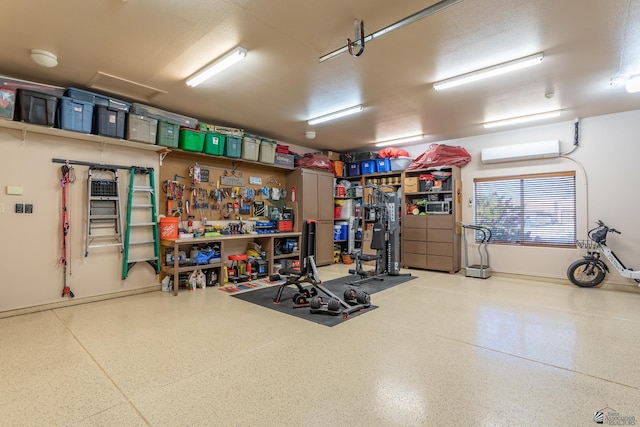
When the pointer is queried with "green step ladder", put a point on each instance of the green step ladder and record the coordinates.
(142, 201)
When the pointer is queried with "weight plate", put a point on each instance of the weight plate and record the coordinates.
(363, 298)
(333, 304)
(315, 303)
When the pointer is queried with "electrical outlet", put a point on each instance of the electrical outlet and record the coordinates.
(19, 208)
(28, 208)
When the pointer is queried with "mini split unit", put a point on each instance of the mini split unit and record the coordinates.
(528, 151)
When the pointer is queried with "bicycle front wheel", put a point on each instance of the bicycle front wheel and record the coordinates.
(585, 274)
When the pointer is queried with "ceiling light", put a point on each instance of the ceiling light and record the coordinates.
(414, 138)
(633, 84)
(217, 66)
(494, 70)
(44, 58)
(335, 115)
(523, 119)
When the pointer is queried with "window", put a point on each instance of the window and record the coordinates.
(528, 209)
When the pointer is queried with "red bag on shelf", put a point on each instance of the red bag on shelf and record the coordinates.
(315, 161)
(392, 153)
(441, 155)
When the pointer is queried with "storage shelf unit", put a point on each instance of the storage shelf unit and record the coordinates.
(265, 240)
(431, 237)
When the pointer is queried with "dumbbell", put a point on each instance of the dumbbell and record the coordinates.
(352, 295)
(317, 302)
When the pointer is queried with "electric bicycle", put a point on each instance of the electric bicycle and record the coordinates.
(591, 270)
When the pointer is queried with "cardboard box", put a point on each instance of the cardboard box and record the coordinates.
(332, 155)
(411, 185)
(283, 160)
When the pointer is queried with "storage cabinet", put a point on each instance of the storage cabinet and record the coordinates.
(314, 200)
(430, 226)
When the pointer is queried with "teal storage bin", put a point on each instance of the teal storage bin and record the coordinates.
(233, 147)
(168, 134)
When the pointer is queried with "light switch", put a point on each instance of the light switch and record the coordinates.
(15, 190)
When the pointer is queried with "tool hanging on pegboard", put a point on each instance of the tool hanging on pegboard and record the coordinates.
(68, 177)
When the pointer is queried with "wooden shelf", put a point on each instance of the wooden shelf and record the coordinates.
(170, 269)
(290, 255)
(67, 134)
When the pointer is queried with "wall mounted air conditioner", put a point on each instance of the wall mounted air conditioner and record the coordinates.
(527, 151)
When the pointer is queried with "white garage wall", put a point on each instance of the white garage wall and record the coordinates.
(607, 165)
(31, 243)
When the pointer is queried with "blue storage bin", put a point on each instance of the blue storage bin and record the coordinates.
(368, 166)
(75, 115)
(383, 165)
(353, 169)
(97, 99)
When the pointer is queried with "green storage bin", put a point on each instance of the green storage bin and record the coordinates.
(191, 139)
(168, 134)
(214, 143)
(233, 147)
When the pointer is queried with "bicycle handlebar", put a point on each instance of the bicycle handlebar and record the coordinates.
(599, 234)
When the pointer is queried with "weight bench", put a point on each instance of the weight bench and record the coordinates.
(308, 273)
(379, 244)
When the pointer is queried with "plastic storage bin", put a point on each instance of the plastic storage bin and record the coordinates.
(109, 121)
(250, 148)
(214, 143)
(7, 102)
(267, 152)
(353, 169)
(368, 166)
(400, 163)
(191, 139)
(141, 129)
(97, 99)
(168, 134)
(75, 115)
(233, 147)
(37, 107)
(383, 165)
(156, 113)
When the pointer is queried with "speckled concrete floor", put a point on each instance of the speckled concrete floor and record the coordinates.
(441, 350)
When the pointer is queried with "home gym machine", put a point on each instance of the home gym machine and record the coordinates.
(482, 270)
(384, 209)
(308, 273)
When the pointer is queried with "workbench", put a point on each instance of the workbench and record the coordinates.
(228, 245)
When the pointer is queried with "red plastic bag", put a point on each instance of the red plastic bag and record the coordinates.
(441, 155)
(392, 153)
(315, 161)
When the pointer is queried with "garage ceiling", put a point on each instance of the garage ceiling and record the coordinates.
(152, 46)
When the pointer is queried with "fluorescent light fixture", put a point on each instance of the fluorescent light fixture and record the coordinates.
(494, 70)
(633, 84)
(523, 119)
(217, 66)
(335, 115)
(414, 138)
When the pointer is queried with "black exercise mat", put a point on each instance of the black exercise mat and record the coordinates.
(264, 297)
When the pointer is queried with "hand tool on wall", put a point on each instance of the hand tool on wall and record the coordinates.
(68, 177)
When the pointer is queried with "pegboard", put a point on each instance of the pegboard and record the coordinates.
(225, 190)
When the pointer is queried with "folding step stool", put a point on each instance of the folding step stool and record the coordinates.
(103, 209)
(142, 199)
